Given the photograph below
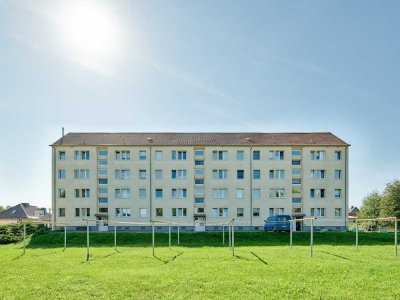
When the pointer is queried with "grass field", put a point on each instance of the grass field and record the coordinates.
(201, 267)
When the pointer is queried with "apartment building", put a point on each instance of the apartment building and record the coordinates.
(198, 179)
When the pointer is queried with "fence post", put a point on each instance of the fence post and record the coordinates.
(291, 235)
(312, 237)
(223, 234)
(233, 237)
(87, 240)
(152, 229)
(178, 233)
(395, 235)
(115, 236)
(24, 237)
(65, 237)
(356, 234)
(229, 234)
(169, 235)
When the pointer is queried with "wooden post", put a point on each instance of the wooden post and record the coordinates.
(395, 236)
(291, 234)
(24, 238)
(169, 236)
(115, 236)
(312, 237)
(233, 238)
(356, 234)
(65, 237)
(223, 234)
(153, 241)
(178, 233)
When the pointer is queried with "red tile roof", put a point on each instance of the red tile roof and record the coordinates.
(199, 139)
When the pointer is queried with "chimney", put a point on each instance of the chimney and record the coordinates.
(62, 132)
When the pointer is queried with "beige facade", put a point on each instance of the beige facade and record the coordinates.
(203, 181)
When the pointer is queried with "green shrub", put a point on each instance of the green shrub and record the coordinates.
(12, 233)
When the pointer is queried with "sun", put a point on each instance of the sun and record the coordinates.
(90, 32)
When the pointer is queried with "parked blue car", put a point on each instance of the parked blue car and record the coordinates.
(278, 223)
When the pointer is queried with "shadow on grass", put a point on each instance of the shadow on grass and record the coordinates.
(55, 239)
(259, 258)
(168, 261)
(342, 257)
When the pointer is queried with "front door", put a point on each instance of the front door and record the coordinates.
(102, 223)
(199, 223)
(298, 224)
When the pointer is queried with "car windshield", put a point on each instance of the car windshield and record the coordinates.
(283, 218)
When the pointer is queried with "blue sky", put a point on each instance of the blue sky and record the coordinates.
(265, 66)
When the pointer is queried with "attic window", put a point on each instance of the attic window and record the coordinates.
(14, 211)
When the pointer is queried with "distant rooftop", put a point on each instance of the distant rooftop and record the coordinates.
(199, 139)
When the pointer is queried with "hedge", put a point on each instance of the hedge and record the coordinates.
(12, 233)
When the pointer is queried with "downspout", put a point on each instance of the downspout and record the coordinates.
(53, 177)
(151, 188)
(251, 185)
(346, 201)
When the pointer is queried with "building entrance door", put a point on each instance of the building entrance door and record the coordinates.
(199, 223)
(102, 223)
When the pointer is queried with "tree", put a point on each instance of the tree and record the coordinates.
(371, 207)
(390, 202)
(2, 208)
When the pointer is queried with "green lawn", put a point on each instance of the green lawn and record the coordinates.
(201, 267)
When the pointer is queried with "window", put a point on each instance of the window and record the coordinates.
(143, 212)
(296, 152)
(296, 210)
(103, 190)
(296, 162)
(122, 193)
(61, 155)
(61, 174)
(338, 212)
(103, 152)
(103, 162)
(240, 212)
(199, 181)
(77, 212)
(198, 172)
(199, 191)
(277, 193)
(123, 174)
(82, 193)
(256, 155)
(142, 193)
(159, 193)
(296, 200)
(200, 210)
(159, 212)
(276, 211)
(179, 193)
(178, 155)
(338, 155)
(239, 193)
(81, 174)
(142, 174)
(256, 212)
(256, 193)
(317, 212)
(198, 162)
(61, 193)
(103, 181)
(199, 152)
(158, 174)
(142, 155)
(81, 155)
(179, 212)
(103, 200)
(220, 174)
(122, 155)
(338, 174)
(220, 193)
(256, 174)
(122, 212)
(276, 174)
(158, 155)
(296, 181)
(296, 172)
(179, 174)
(276, 155)
(85, 212)
(102, 172)
(61, 212)
(240, 174)
(338, 193)
(220, 212)
(220, 155)
(240, 155)
(317, 155)
(317, 174)
(199, 200)
(317, 193)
